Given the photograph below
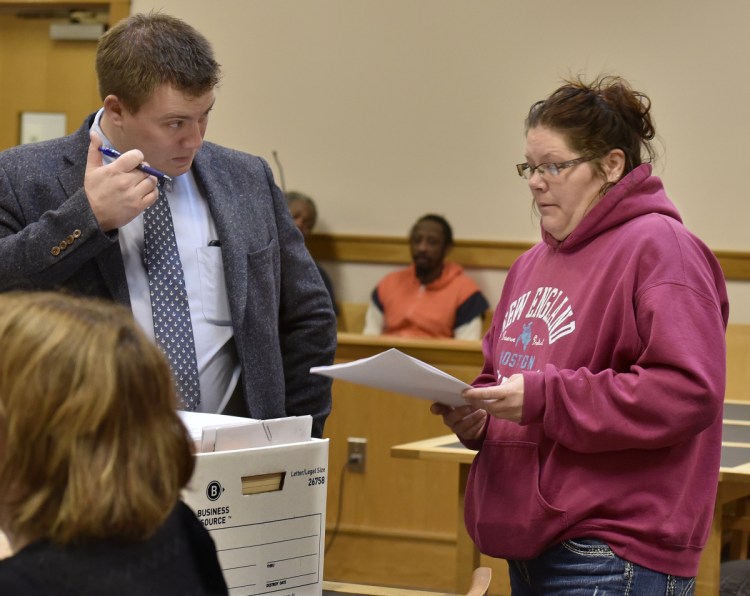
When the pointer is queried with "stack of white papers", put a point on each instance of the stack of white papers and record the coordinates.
(393, 370)
(216, 432)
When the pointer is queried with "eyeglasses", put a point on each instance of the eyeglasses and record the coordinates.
(527, 171)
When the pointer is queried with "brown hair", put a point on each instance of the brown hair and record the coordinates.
(91, 445)
(145, 51)
(597, 117)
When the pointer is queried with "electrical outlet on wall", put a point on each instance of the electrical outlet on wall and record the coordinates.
(356, 454)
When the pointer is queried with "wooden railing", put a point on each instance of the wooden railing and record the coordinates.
(481, 254)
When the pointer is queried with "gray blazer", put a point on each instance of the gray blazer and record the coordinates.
(281, 313)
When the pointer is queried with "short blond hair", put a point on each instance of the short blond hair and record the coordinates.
(91, 445)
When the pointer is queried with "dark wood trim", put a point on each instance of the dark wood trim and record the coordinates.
(736, 265)
(472, 254)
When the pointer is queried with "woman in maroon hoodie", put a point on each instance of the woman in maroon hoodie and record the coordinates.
(597, 414)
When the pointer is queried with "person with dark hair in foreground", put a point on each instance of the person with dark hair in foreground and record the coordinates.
(93, 457)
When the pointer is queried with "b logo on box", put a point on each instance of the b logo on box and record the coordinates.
(214, 490)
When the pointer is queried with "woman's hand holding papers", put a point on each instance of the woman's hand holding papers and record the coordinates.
(503, 401)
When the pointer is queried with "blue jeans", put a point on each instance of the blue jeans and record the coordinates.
(588, 567)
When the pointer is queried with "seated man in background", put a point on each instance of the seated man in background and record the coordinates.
(93, 457)
(430, 298)
(305, 215)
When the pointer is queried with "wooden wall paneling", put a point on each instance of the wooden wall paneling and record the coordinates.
(396, 506)
(383, 561)
(738, 363)
(38, 74)
(42, 75)
(118, 10)
(398, 522)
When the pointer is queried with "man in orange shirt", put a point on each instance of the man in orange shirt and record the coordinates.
(430, 298)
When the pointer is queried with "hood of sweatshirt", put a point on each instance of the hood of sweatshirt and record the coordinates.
(638, 193)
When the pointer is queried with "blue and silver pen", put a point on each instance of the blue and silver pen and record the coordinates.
(142, 167)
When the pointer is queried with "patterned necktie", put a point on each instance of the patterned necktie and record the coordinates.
(173, 329)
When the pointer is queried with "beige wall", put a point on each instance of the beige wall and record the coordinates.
(385, 109)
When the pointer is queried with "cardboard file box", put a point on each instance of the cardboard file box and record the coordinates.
(265, 508)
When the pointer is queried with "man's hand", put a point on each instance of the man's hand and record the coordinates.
(117, 192)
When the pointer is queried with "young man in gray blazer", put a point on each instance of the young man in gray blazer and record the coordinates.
(72, 218)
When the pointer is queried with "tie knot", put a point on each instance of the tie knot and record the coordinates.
(165, 185)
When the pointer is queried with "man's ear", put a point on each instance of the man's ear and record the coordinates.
(114, 109)
(613, 165)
